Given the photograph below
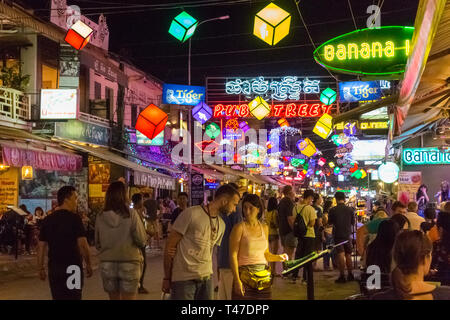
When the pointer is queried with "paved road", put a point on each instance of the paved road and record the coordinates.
(31, 288)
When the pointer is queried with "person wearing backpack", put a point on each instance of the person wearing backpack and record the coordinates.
(305, 219)
(342, 218)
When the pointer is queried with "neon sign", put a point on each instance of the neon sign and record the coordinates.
(289, 110)
(359, 90)
(288, 88)
(367, 51)
(418, 156)
(365, 125)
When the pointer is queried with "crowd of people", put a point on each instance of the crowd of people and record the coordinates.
(251, 236)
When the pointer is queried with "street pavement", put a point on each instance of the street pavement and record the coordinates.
(30, 287)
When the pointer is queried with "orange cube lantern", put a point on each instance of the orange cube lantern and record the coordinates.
(78, 35)
(151, 121)
(283, 122)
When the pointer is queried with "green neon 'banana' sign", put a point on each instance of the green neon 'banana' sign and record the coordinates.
(418, 156)
(374, 52)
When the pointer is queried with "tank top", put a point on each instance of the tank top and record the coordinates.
(251, 249)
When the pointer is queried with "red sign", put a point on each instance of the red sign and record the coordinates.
(289, 110)
(16, 157)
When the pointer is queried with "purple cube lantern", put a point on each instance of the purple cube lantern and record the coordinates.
(244, 126)
(202, 112)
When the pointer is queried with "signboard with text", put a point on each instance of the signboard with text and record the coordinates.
(183, 95)
(197, 189)
(426, 156)
(354, 91)
(289, 110)
(83, 132)
(59, 104)
(377, 51)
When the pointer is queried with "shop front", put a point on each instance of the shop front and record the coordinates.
(32, 175)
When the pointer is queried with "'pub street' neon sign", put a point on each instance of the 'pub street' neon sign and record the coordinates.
(419, 156)
(289, 110)
(287, 88)
(380, 51)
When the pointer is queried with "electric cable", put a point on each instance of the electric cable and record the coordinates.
(351, 11)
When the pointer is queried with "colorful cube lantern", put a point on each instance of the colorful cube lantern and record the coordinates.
(272, 24)
(331, 164)
(244, 126)
(324, 126)
(202, 112)
(283, 122)
(183, 26)
(337, 170)
(350, 129)
(151, 121)
(322, 162)
(78, 35)
(307, 147)
(259, 108)
(328, 96)
(212, 130)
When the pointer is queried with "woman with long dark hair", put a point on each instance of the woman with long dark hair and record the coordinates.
(412, 255)
(272, 222)
(422, 199)
(249, 254)
(444, 194)
(379, 252)
(119, 237)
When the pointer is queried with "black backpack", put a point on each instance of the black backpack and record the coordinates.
(300, 228)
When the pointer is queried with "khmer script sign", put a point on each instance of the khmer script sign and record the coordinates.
(285, 88)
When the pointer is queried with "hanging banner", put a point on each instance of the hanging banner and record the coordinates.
(183, 95)
(408, 184)
(9, 187)
(354, 91)
(197, 189)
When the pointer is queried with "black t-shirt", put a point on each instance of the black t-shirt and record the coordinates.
(175, 214)
(285, 208)
(342, 218)
(61, 231)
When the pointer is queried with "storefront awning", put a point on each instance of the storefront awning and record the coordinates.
(208, 173)
(226, 170)
(355, 113)
(142, 175)
(424, 90)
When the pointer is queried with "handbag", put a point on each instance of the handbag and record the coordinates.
(258, 280)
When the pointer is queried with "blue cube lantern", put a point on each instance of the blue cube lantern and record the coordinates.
(202, 112)
(183, 26)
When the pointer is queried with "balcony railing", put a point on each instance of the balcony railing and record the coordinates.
(14, 104)
(86, 117)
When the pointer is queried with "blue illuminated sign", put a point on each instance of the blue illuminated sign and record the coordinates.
(183, 95)
(359, 90)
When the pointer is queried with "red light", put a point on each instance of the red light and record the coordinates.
(290, 110)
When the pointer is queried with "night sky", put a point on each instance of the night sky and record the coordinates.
(228, 48)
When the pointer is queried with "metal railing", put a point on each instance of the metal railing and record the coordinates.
(14, 104)
(86, 117)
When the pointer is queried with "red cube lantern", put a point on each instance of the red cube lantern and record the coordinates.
(78, 35)
(151, 121)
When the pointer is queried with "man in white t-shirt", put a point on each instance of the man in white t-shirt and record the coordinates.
(306, 244)
(414, 219)
(189, 248)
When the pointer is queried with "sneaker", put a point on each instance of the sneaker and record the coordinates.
(350, 277)
(341, 279)
(142, 290)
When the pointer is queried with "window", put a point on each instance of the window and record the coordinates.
(49, 77)
(97, 90)
(133, 115)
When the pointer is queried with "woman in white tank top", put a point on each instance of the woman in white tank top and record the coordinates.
(249, 249)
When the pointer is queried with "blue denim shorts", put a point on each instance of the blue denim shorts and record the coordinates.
(121, 276)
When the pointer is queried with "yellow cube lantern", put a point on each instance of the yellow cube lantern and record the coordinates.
(324, 126)
(259, 108)
(272, 24)
(283, 122)
(307, 147)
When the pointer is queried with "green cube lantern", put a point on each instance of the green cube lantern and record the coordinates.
(212, 130)
(183, 26)
(328, 96)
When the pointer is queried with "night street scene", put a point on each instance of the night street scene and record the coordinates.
(227, 151)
